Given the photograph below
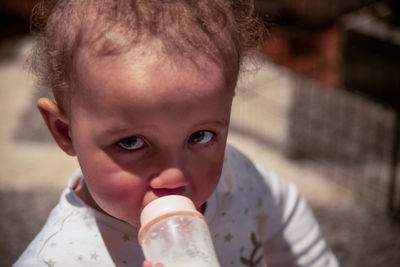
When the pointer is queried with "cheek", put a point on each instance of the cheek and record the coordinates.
(117, 191)
(208, 177)
(214, 167)
(112, 188)
(121, 196)
(214, 173)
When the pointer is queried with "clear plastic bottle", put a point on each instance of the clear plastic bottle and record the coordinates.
(175, 234)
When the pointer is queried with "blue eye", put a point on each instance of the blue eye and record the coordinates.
(201, 137)
(131, 143)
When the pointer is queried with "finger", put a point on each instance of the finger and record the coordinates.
(147, 264)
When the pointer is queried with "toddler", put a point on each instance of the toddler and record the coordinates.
(142, 97)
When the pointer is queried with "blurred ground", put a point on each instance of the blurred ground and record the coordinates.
(34, 171)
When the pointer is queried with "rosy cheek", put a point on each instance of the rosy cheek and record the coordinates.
(211, 175)
(120, 201)
(114, 188)
(215, 167)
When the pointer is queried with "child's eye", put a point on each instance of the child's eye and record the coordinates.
(131, 143)
(201, 137)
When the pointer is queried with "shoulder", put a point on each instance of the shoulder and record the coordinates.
(263, 192)
(286, 225)
(77, 235)
(250, 187)
(64, 236)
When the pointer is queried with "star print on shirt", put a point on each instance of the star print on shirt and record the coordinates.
(50, 263)
(228, 238)
(126, 237)
(94, 256)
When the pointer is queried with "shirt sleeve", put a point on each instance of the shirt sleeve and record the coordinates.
(293, 237)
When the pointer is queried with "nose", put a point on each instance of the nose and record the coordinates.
(169, 178)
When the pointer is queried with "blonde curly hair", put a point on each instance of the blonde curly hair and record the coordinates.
(218, 28)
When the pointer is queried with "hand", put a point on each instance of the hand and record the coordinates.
(149, 264)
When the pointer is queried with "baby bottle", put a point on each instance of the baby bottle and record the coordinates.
(175, 234)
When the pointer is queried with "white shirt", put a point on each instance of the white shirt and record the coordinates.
(255, 219)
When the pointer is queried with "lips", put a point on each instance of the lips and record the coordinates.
(166, 191)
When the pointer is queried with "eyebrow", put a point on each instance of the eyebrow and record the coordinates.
(222, 123)
(116, 130)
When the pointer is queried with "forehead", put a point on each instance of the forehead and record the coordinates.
(147, 72)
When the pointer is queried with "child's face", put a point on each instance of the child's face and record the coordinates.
(143, 128)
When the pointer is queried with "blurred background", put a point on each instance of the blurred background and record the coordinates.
(320, 107)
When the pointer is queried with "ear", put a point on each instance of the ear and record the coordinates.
(58, 124)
